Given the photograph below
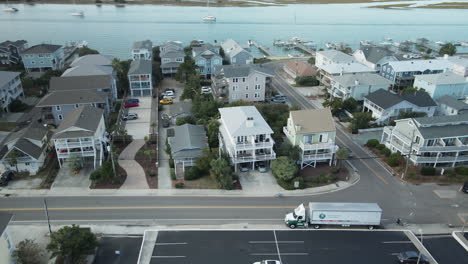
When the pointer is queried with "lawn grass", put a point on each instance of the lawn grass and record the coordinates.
(7, 126)
(205, 182)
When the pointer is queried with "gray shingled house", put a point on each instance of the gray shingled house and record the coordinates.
(187, 145)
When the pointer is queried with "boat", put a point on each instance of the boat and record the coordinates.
(440, 43)
(77, 13)
(464, 44)
(209, 18)
(82, 44)
(9, 8)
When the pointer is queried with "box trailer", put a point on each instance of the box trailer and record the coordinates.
(343, 214)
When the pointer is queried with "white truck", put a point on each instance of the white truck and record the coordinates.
(344, 214)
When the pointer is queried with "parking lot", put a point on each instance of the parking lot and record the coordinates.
(288, 246)
(139, 128)
(445, 249)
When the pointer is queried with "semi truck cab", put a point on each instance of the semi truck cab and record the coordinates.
(297, 217)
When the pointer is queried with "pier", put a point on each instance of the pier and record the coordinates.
(304, 49)
(263, 49)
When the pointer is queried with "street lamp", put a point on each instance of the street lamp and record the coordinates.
(419, 256)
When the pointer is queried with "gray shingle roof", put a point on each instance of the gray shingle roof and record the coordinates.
(7, 76)
(93, 59)
(444, 131)
(14, 43)
(232, 48)
(22, 140)
(361, 78)
(173, 54)
(72, 97)
(452, 102)
(80, 82)
(144, 44)
(140, 67)
(421, 99)
(188, 141)
(336, 56)
(441, 120)
(88, 70)
(442, 78)
(42, 48)
(87, 118)
(386, 99)
(235, 120)
(374, 54)
(245, 70)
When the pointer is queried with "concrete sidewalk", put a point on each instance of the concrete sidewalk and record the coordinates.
(136, 178)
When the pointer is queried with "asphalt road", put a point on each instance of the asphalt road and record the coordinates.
(445, 249)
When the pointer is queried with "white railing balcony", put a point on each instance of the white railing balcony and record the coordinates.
(254, 145)
(314, 146)
(320, 156)
(435, 159)
(287, 132)
(64, 145)
(65, 155)
(252, 158)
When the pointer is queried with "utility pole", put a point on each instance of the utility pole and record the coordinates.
(47, 215)
(112, 159)
(408, 156)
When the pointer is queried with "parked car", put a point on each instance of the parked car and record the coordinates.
(130, 116)
(278, 99)
(169, 96)
(165, 123)
(244, 167)
(205, 90)
(261, 166)
(268, 262)
(465, 187)
(169, 93)
(7, 176)
(129, 105)
(411, 257)
(169, 90)
(132, 100)
(166, 101)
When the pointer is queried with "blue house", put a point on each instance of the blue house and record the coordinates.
(207, 57)
(43, 57)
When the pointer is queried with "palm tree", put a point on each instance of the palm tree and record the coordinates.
(341, 155)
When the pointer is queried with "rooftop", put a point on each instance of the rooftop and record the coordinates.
(313, 121)
(442, 78)
(93, 59)
(420, 65)
(301, 68)
(14, 43)
(7, 76)
(140, 67)
(80, 82)
(336, 56)
(244, 121)
(188, 141)
(72, 97)
(386, 99)
(374, 54)
(24, 138)
(361, 79)
(80, 122)
(42, 48)
(144, 44)
(452, 102)
(441, 120)
(232, 48)
(447, 130)
(244, 70)
(346, 67)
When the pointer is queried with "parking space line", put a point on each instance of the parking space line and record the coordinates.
(168, 244)
(396, 242)
(279, 242)
(275, 254)
(168, 256)
(277, 247)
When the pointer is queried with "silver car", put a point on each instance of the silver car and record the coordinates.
(130, 116)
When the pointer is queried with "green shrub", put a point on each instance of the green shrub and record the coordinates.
(450, 173)
(428, 171)
(171, 163)
(394, 160)
(462, 170)
(307, 81)
(173, 175)
(289, 185)
(372, 143)
(386, 152)
(179, 185)
(152, 173)
(185, 120)
(17, 106)
(380, 146)
(192, 173)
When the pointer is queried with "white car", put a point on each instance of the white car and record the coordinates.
(130, 116)
(167, 96)
(205, 90)
(268, 262)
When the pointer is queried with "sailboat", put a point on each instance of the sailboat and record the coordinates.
(9, 8)
(209, 18)
(78, 13)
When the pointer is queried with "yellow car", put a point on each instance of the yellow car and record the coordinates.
(166, 101)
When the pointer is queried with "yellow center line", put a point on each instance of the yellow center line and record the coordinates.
(145, 207)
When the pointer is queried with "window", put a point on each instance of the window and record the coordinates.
(233, 60)
(179, 59)
(166, 60)
(77, 105)
(256, 79)
(27, 163)
(243, 79)
(235, 80)
(246, 87)
(235, 88)
(257, 87)
(33, 62)
(41, 62)
(57, 107)
(257, 95)
(246, 96)
(234, 97)
(60, 117)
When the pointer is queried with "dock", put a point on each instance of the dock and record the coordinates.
(304, 49)
(263, 49)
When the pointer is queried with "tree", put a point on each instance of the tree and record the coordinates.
(311, 60)
(350, 105)
(284, 169)
(12, 158)
(361, 120)
(72, 243)
(306, 81)
(121, 68)
(212, 129)
(27, 252)
(204, 161)
(288, 150)
(341, 154)
(335, 105)
(153, 126)
(185, 120)
(86, 51)
(448, 49)
(186, 69)
(222, 173)
(409, 90)
(149, 153)
(411, 114)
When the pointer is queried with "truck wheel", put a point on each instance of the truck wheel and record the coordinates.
(316, 226)
(371, 227)
(292, 226)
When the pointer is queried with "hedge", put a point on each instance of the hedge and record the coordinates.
(380, 146)
(372, 143)
(386, 152)
(192, 173)
(462, 170)
(428, 171)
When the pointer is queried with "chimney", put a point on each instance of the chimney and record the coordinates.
(249, 122)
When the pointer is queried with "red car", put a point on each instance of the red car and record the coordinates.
(131, 104)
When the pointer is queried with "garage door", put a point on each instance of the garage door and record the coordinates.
(147, 92)
(136, 92)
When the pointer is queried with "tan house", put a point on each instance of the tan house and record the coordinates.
(314, 132)
(299, 68)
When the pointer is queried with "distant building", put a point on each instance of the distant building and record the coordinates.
(387, 106)
(447, 83)
(7, 244)
(245, 136)
(10, 88)
(246, 82)
(139, 77)
(88, 65)
(172, 55)
(187, 145)
(206, 57)
(43, 57)
(374, 57)
(82, 134)
(459, 64)
(451, 106)
(142, 50)
(438, 141)
(100, 83)
(314, 132)
(357, 85)
(10, 51)
(299, 68)
(235, 54)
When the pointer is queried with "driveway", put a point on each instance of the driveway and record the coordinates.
(140, 128)
(259, 182)
(66, 179)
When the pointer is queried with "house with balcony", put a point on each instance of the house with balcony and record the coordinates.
(459, 64)
(10, 88)
(82, 134)
(140, 78)
(10, 51)
(206, 57)
(172, 55)
(387, 106)
(142, 50)
(100, 83)
(314, 132)
(88, 65)
(334, 63)
(245, 136)
(374, 56)
(43, 57)
(187, 144)
(299, 68)
(442, 84)
(438, 141)
(451, 106)
(248, 82)
(25, 150)
(235, 54)
(357, 85)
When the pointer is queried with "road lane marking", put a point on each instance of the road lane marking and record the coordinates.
(396, 242)
(135, 220)
(279, 242)
(168, 256)
(169, 244)
(276, 254)
(277, 247)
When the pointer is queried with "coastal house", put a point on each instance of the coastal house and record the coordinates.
(246, 82)
(438, 141)
(206, 57)
(43, 57)
(299, 68)
(357, 85)
(142, 50)
(459, 64)
(187, 145)
(82, 134)
(333, 63)
(451, 106)
(10, 51)
(235, 54)
(7, 244)
(245, 136)
(387, 106)
(314, 132)
(10, 88)
(101, 83)
(446, 83)
(172, 55)
(140, 78)
(93, 64)
(403, 73)
(374, 56)
(25, 150)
